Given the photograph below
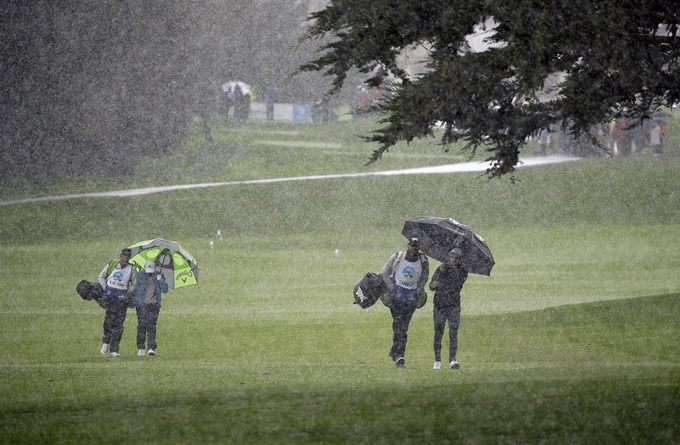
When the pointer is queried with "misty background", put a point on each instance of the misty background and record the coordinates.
(88, 85)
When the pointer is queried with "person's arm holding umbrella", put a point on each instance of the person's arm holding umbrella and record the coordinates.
(161, 283)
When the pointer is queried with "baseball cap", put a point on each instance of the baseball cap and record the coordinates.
(414, 241)
(458, 252)
(149, 266)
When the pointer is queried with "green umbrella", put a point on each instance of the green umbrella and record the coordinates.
(176, 264)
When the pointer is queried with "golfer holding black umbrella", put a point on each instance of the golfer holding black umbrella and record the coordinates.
(447, 282)
(405, 274)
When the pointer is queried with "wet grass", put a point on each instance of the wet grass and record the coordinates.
(265, 352)
(602, 372)
(573, 339)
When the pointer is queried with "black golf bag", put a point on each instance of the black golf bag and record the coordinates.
(368, 290)
(89, 290)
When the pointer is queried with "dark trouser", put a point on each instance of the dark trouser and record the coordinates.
(401, 317)
(441, 316)
(113, 323)
(147, 317)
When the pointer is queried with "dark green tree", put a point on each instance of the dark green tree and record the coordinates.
(613, 58)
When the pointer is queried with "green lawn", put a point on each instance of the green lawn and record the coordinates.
(573, 339)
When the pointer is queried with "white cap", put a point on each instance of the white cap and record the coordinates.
(149, 266)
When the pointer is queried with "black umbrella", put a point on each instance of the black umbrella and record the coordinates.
(438, 236)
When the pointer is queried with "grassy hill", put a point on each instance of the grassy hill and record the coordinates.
(573, 338)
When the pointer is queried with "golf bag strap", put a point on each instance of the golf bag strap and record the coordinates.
(112, 265)
(402, 255)
(400, 258)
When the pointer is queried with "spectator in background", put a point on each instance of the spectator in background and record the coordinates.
(269, 105)
(621, 138)
(611, 135)
(243, 99)
(543, 140)
(656, 134)
(239, 96)
(361, 102)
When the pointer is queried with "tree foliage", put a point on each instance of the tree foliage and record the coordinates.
(614, 58)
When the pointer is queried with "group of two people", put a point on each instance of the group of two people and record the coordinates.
(405, 274)
(238, 95)
(125, 287)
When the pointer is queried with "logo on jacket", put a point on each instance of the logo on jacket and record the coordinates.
(409, 272)
(117, 276)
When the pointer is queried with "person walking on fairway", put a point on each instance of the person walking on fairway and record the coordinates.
(405, 274)
(447, 282)
(119, 281)
(148, 303)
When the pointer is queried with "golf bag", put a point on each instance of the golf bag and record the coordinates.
(368, 290)
(89, 290)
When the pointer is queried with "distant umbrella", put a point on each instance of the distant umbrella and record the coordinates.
(661, 114)
(661, 117)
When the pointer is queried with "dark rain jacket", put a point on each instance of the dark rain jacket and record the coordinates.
(451, 281)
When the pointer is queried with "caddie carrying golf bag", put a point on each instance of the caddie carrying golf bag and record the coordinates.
(368, 290)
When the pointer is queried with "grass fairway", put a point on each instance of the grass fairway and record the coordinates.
(572, 340)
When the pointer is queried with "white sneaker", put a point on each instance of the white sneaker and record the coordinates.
(140, 353)
(105, 349)
(437, 365)
(115, 354)
(454, 364)
(152, 352)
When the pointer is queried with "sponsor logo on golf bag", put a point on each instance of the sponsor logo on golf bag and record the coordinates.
(360, 295)
(368, 290)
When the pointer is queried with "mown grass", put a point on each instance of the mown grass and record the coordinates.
(573, 339)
